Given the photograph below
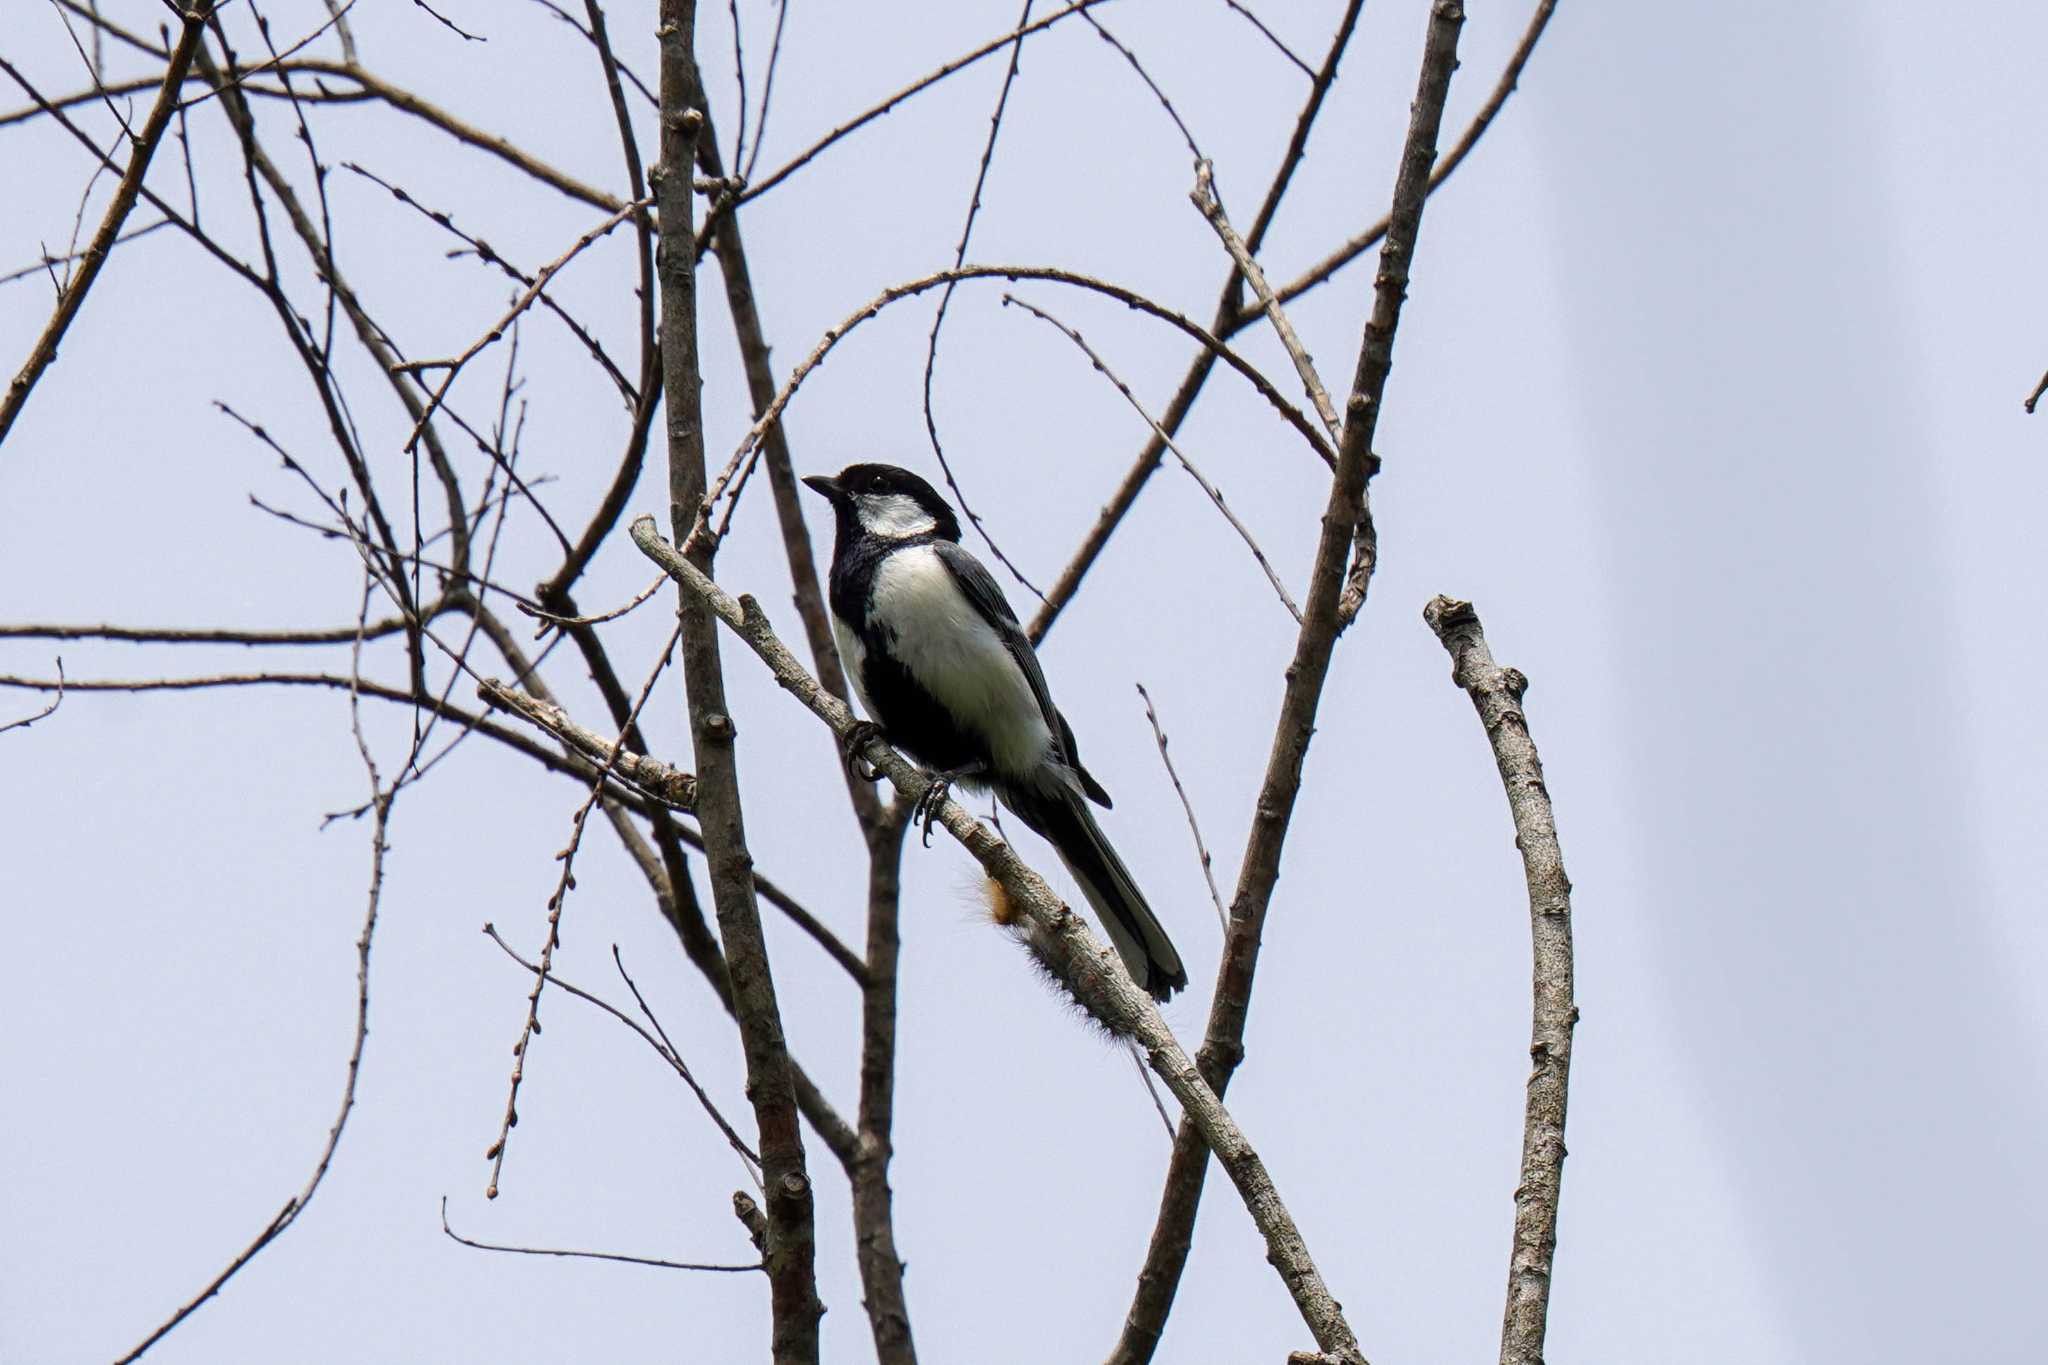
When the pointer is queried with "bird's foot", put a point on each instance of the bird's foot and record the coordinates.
(857, 738)
(926, 809)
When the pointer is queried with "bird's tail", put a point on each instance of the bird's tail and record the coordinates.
(1139, 937)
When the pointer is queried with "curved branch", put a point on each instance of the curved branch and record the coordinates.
(1496, 694)
(619, 1257)
(810, 153)
(897, 293)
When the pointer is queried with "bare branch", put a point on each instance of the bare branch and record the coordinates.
(620, 1257)
(730, 250)
(192, 30)
(55, 702)
(1187, 806)
(1131, 59)
(931, 345)
(663, 1048)
(1204, 196)
(1272, 37)
(1230, 318)
(1496, 694)
(910, 289)
(881, 1269)
(179, 635)
(497, 329)
(617, 750)
(549, 620)
(1346, 512)
(791, 1253)
(657, 779)
(1365, 241)
(554, 762)
(1215, 496)
(380, 807)
(805, 157)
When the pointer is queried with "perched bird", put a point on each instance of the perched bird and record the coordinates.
(942, 669)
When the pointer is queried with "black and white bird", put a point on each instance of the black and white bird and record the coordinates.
(940, 665)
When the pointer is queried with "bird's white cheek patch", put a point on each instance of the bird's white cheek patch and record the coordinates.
(957, 657)
(892, 516)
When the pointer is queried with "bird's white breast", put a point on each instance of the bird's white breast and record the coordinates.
(957, 656)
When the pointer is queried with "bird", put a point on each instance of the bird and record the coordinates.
(945, 674)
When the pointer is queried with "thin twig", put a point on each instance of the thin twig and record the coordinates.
(1273, 38)
(1187, 806)
(1229, 317)
(1138, 1060)
(554, 762)
(663, 1048)
(192, 29)
(449, 24)
(931, 345)
(1204, 197)
(757, 188)
(1496, 694)
(495, 1154)
(487, 255)
(1214, 494)
(894, 294)
(746, 170)
(48, 260)
(1365, 241)
(55, 702)
(1131, 58)
(380, 806)
(549, 620)
(497, 329)
(619, 1257)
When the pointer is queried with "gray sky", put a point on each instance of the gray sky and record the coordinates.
(1707, 393)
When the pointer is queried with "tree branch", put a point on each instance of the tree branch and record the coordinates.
(1230, 318)
(1347, 511)
(665, 784)
(191, 32)
(619, 1257)
(792, 1273)
(1496, 694)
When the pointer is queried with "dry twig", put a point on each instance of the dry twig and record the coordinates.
(619, 1257)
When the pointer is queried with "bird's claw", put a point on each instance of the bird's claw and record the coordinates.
(926, 808)
(857, 738)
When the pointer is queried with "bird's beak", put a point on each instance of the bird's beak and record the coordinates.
(823, 484)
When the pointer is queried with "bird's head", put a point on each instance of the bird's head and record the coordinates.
(886, 502)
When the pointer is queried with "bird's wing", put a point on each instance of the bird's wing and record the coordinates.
(986, 595)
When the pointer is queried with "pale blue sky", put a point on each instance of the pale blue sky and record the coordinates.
(1708, 393)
